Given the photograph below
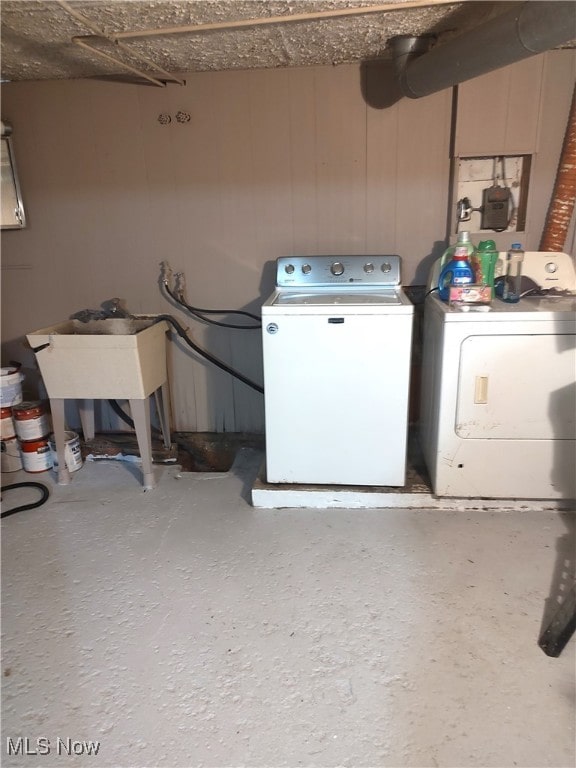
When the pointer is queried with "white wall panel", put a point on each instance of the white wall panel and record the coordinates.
(271, 162)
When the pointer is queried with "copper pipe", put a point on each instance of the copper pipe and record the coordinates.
(561, 207)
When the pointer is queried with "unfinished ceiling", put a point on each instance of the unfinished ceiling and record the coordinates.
(55, 39)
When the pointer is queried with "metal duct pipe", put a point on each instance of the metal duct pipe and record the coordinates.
(533, 27)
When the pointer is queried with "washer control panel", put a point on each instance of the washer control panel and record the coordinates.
(317, 271)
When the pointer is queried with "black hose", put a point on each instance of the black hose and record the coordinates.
(218, 311)
(214, 360)
(121, 414)
(200, 313)
(40, 486)
(125, 418)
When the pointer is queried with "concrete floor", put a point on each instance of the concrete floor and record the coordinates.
(183, 627)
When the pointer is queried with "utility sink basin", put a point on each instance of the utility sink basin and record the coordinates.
(116, 359)
(120, 358)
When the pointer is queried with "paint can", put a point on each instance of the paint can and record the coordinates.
(7, 429)
(10, 458)
(10, 387)
(36, 455)
(30, 421)
(72, 452)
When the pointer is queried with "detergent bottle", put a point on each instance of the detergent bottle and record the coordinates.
(484, 263)
(456, 266)
(463, 243)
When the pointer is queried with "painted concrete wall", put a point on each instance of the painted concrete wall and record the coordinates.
(271, 163)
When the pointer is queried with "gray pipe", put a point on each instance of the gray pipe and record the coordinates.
(531, 28)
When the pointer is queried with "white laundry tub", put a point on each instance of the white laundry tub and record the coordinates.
(117, 358)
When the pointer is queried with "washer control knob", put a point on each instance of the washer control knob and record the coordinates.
(385, 267)
(337, 268)
(551, 267)
(306, 269)
(289, 269)
(272, 328)
(368, 268)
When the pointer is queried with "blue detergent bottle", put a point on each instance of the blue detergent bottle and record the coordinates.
(458, 271)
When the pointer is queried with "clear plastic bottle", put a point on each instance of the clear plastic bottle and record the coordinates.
(513, 277)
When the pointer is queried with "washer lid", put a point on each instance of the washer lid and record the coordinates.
(345, 297)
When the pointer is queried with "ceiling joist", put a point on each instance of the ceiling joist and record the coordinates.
(148, 41)
(189, 29)
(88, 41)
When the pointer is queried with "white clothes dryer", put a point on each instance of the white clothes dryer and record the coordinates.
(498, 399)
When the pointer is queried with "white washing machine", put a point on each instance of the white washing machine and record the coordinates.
(337, 335)
(498, 409)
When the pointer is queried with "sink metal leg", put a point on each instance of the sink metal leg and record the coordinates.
(140, 410)
(58, 425)
(86, 410)
(162, 398)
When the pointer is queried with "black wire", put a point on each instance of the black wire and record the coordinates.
(40, 486)
(431, 291)
(199, 313)
(214, 360)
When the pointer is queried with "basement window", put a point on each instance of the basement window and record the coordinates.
(13, 216)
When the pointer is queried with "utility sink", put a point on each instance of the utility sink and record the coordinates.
(118, 358)
(115, 358)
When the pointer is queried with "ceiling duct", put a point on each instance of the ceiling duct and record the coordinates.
(525, 30)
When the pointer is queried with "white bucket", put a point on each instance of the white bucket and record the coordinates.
(72, 453)
(11, 460)
(10, 387)
(7, 428)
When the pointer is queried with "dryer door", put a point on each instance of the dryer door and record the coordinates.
(517, 387)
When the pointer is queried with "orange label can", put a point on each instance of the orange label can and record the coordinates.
(36, 455)
(30, 420)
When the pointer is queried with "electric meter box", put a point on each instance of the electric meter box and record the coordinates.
(495, 208)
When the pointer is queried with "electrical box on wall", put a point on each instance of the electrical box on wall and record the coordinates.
(492, 192)
(497, 207)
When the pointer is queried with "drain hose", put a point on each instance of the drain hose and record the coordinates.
(40, 486)
(125, 418)
(201, 313)
(214, 360)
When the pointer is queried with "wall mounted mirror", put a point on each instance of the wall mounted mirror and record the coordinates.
(12, 209)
